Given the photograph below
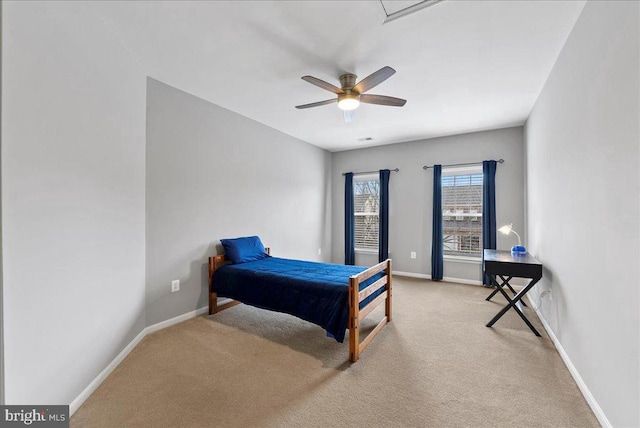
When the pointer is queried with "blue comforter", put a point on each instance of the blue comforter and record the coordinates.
(315, 292)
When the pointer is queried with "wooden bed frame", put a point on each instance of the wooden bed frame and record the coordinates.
(355, 297)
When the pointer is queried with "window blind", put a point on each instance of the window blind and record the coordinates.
(462, 214)
(366, 201)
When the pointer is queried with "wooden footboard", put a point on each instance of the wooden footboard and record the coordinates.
(356, 314)
(355, 297)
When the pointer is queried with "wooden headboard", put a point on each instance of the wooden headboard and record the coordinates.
(216, 261)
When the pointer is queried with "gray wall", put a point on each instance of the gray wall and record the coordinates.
(213, 174)
(582, 145)
(411, 193)
(72, 199)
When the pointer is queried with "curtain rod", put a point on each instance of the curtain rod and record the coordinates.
(462, 164)
(370, 172)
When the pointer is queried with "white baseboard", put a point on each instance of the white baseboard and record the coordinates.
(462, 281)
(176, 320)
(411, 275)
(75, 404)
(595, 407)
(224, 300)
(446, 278)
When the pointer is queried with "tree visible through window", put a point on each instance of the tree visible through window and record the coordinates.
(462, 214)
(366, 203)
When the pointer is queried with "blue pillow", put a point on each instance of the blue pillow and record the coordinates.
(242, 250)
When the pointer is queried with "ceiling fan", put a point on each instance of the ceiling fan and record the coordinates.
(350, 95)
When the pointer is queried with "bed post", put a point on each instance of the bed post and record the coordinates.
(213, 297)
(387, 307)
(354, 309)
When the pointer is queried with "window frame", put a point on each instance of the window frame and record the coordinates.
(363, 178)
(462, 171)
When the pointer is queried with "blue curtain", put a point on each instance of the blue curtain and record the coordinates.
(349, 221)
(437, 246)
(383, 241)
(488, 210)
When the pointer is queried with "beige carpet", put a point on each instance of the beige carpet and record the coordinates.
(435, 365)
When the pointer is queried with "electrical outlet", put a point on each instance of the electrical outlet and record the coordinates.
(413, 255)
(175, 285)
(319, 251)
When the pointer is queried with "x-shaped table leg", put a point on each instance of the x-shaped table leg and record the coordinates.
(498, 286)
(512, 303)
(504, 282)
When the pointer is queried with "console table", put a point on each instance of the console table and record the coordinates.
(506, 266)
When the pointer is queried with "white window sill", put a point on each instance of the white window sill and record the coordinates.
(463, 259)
(367, 251)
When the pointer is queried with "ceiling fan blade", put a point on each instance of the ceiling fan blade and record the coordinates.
(382, 100)
(374, 79)
(349, 116)
(319, 103)
(322, 84)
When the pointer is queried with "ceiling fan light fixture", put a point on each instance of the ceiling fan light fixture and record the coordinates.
(348, 102)
(350, 94)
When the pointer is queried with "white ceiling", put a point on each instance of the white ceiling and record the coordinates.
(394, 6)
(462, 66)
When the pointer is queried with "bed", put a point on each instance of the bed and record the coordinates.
(335, 297)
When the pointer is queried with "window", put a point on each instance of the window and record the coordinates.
(366, 208)
(462, 211)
